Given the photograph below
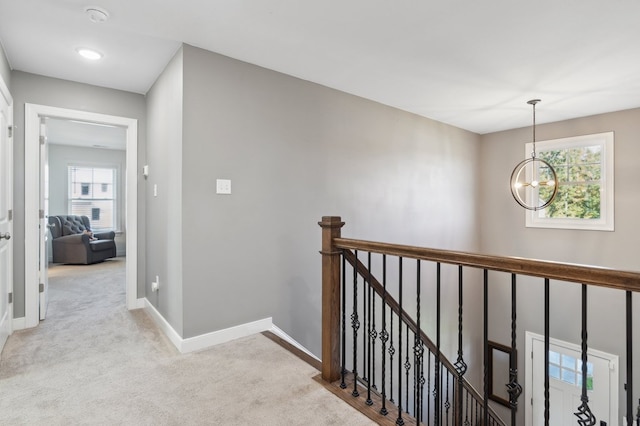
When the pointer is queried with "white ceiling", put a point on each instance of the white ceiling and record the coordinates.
(85, 134)
(469, 63)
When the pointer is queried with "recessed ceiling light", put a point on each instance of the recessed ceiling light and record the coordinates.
(97, 14)
(89, 53)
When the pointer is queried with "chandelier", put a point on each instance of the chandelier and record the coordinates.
(534, 181)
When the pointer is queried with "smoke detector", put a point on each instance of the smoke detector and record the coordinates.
(97, 14)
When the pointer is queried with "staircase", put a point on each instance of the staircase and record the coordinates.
(390, 311)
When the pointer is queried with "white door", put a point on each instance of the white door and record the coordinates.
(6, 206)
(44, 221)
(565, 383)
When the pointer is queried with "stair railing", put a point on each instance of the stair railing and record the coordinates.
(408, 374)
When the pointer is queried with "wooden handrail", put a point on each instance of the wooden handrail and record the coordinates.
(592, 275)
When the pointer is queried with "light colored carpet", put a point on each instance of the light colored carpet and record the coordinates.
(93, 362)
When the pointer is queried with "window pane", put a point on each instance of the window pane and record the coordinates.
(569, 376)
(554, 371)
(554, 357)
(568, 362)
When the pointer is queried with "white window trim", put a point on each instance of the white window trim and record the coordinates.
(606, 221)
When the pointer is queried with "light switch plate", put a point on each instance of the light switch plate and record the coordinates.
(223, 186)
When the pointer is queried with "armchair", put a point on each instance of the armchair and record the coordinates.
(71, 244)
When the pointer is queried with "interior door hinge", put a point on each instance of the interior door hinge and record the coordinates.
(41, 288)
(10, 214)
(43, 140)
(10, 297)
(41, 213)
(10, 131)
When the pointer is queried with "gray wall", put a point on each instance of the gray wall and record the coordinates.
(164, 220)
(62, 156)
(503, 232)
(296, 151)
(35, 89)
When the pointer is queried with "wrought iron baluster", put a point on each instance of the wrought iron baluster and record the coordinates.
(485, 334)
(343, 350)
(437, 409)
(584, 414)
(407, 367)
(355, 324)
(370, 336)
(513, 388)
(546, 351)
(460, 365)
(429, 384)
(629, 387)
(399, 420)
(373, 334)
(447, 404)
(392, 351)
(384, 335)
(365, 332)
(418, 350)
(466, 410)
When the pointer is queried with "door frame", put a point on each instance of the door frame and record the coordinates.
(614, 372)
(32, 116)
(7, 322)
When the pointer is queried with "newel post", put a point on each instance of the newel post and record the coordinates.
(331, 226)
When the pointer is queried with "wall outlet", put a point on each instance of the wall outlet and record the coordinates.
(156, 284)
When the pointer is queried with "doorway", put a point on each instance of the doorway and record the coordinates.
(35, 222)
(565, 382)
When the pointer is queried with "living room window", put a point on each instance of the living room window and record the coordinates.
(584, 169)
(93, 193)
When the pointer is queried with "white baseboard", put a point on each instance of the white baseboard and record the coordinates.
(278, 332)
(208, 340)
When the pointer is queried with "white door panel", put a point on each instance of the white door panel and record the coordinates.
(565, 383)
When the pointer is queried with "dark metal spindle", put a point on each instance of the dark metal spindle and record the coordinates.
(343, 350)
(436, 379)
(629, 388)
(429, 384)
(466, 410)
(392, 351)
(447, 404)
(546, 351)
(365, 332)
(485, 398)
(460, 365)
(513, 388)
(584, 414)
(373, 333)
(407, 367)
(384, 335)
(399, 420)
(370, 336)
(355, 324)
(418, 350)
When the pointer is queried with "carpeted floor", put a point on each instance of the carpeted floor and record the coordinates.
(93, 362)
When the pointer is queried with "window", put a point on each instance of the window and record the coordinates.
(569, 369)
(92, 193)
(584, 169)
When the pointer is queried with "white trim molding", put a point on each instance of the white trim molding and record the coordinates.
(33, 113)
(208, 340)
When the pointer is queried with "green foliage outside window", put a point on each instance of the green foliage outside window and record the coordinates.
(579, 175)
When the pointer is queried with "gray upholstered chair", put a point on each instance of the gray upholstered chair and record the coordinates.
(71, 244)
